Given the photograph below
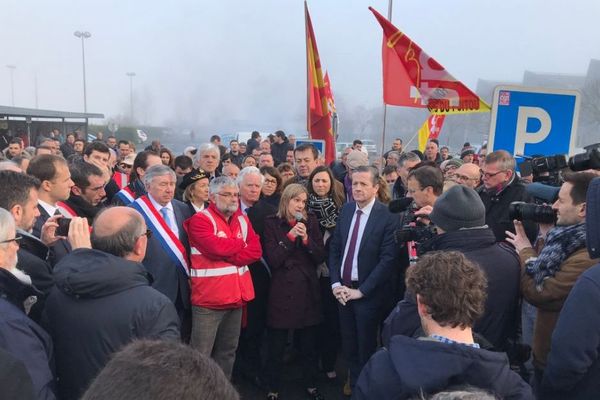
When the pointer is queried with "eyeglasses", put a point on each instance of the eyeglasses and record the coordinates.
(16, 239)
(489, 175)
(271, 181)
(229, 195)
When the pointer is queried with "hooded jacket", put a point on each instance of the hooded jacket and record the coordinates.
(99, 304)
(410, 366)
(502, 269)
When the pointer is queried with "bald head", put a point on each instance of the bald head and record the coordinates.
(117, 231)
(468, 174)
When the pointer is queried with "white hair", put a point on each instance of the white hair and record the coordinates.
(249, 171)
(157, 170)
(207, 148)
(220, 182)
(7, 226)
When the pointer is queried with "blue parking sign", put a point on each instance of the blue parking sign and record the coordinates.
(531, 121)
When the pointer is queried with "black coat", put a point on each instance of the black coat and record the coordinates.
(410, 366)
(496, 210)
(294, 298)
(33, 260)
(82, 208)
(503, 270)
(24, 339)
(101, 303)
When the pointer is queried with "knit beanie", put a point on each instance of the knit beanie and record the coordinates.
(459, 207)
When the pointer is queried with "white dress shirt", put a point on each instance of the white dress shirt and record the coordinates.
(50, 209)
(366, 210)
(170, 212)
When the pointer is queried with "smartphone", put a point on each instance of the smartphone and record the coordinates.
(63, 227)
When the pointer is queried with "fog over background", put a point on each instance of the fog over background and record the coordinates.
(239, 65)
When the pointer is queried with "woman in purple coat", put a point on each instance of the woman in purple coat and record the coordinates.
(293, 248)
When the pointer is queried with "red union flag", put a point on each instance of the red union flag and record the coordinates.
(318, 116)
(423, 82)
(430, 129)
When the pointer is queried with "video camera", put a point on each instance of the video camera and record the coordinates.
(411, 230)
(588, 160)
(545, 169)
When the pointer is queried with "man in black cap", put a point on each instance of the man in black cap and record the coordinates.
(459, 216)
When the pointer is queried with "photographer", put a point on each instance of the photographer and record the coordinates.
(459, 216)
(547, 277)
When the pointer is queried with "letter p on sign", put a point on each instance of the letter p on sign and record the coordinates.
(530, 121)
(524, 114)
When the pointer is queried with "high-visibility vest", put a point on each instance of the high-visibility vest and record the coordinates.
(218, 284)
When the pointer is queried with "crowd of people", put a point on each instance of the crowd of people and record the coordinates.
(148, 274)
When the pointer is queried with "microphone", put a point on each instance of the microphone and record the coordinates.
(400, 205)
(299, 218)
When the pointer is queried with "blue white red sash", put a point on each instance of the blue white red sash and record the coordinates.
(126, 195)
(65, 210)
(169, 242)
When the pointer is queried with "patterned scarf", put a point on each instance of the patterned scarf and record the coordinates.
(562, 241)
(325, 209)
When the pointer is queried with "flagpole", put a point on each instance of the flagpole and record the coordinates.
(307, 69)
(390, 4)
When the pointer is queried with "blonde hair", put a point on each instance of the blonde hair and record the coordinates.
(292, 190)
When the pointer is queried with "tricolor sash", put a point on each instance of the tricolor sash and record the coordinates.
(169, 242)
(65, 210)
(126, 195)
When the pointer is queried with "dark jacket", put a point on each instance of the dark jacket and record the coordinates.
(502, 269)
(279, 151)
(101, 303)
(573, 366)
(294, 299)
(14, 379)
(377, 252)
(22, 338)
(169, 278)
(410, 366)
(496, 210)
(251, 144)
(33, 260)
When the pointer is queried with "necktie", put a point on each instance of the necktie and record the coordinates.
(347, 271)
(165, 213)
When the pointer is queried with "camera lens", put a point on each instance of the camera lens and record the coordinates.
(522, 211)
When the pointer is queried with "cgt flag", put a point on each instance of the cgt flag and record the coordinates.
(430, 129)
(329, 94)
(422, 81)
(317, 113)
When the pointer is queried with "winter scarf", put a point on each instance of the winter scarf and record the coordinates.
(325, 209)
(562, 241)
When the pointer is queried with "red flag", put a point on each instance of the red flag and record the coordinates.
(439, 90)
(329, 94)
(318, 116)
(397, 88)
(430, 129)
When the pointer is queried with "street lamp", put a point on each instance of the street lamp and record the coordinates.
(11, 68)
(131, 75)
(82, 36)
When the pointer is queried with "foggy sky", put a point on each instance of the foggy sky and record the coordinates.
(208, 63)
